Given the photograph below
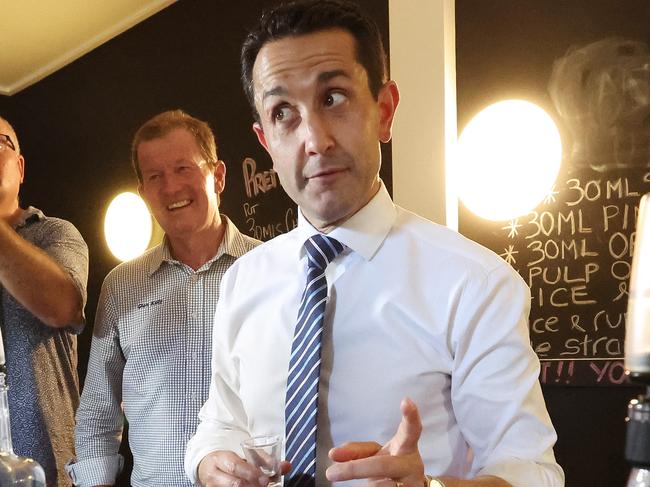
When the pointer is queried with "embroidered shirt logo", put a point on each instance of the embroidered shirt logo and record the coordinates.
(151, 303)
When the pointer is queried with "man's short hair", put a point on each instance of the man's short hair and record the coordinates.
(165, 122)
(305, 17)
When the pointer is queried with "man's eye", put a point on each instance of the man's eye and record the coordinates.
(153, 177)
(282, 114)
(334, 99)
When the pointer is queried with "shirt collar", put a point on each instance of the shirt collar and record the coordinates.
(364, 231)
(28, 216)
(233, 244)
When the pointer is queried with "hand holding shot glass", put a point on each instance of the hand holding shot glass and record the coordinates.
(264, 453)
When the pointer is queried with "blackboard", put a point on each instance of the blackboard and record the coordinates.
(574, 251)
(586, 64)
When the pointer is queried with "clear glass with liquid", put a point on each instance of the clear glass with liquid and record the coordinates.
(264, 452)
(14, 470)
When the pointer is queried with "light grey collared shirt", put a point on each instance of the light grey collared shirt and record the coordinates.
(150, 362)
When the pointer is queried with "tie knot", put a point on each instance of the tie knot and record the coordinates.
(321, 250)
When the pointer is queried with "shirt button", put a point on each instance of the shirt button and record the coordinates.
(194, 314)
(195, 355)
(194, 278)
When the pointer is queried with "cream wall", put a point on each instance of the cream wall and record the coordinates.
(422, 52)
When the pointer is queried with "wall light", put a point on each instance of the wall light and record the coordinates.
(509, 156)
(127, 226)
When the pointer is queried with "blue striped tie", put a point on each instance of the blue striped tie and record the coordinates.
(301, 403)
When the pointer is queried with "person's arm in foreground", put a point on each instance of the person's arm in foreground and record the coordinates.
(212, 454)
(495, 393)
(38, 282)
(210, 458)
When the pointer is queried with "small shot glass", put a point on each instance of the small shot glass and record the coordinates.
(264, 452)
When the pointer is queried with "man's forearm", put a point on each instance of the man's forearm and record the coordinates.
(36, 281)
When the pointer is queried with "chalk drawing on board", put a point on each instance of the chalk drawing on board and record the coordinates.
(264, 218)
(602, 93)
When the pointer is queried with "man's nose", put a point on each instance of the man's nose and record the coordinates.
(170, 183)
(318, 134)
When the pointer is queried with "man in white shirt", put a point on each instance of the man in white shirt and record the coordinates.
(417, 318)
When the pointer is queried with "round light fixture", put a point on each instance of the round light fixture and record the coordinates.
(127, 226)
(509, 156)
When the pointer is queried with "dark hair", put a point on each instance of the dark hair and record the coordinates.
(305, 17)
(163, 123)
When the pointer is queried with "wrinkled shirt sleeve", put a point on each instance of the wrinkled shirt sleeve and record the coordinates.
(495, 392)
(99, 418)
(66, 246)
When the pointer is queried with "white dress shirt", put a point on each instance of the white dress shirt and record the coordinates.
(415, 310)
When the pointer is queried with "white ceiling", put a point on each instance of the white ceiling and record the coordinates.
(37, 37)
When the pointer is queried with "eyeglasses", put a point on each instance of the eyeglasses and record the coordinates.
(5, 141)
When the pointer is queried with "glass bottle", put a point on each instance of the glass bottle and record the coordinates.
(637, 323)
(639, 477)
(637, 352)
(14, 470)
(637, 444)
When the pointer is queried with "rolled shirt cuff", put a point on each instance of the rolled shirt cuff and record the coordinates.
(95, 471)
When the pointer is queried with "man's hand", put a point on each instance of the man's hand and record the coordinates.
(398, 460)
(226, 468)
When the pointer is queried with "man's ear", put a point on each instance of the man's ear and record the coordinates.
(387, 100)
(21, 168)
(220, 177)
(259, 131)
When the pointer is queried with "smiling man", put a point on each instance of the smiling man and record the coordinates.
(150, 353)
(397, 352)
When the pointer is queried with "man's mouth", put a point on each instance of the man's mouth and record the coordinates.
(178, 204)
(326, 172)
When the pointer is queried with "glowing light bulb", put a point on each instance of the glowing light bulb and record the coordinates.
(127, 226)
(509, 156)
